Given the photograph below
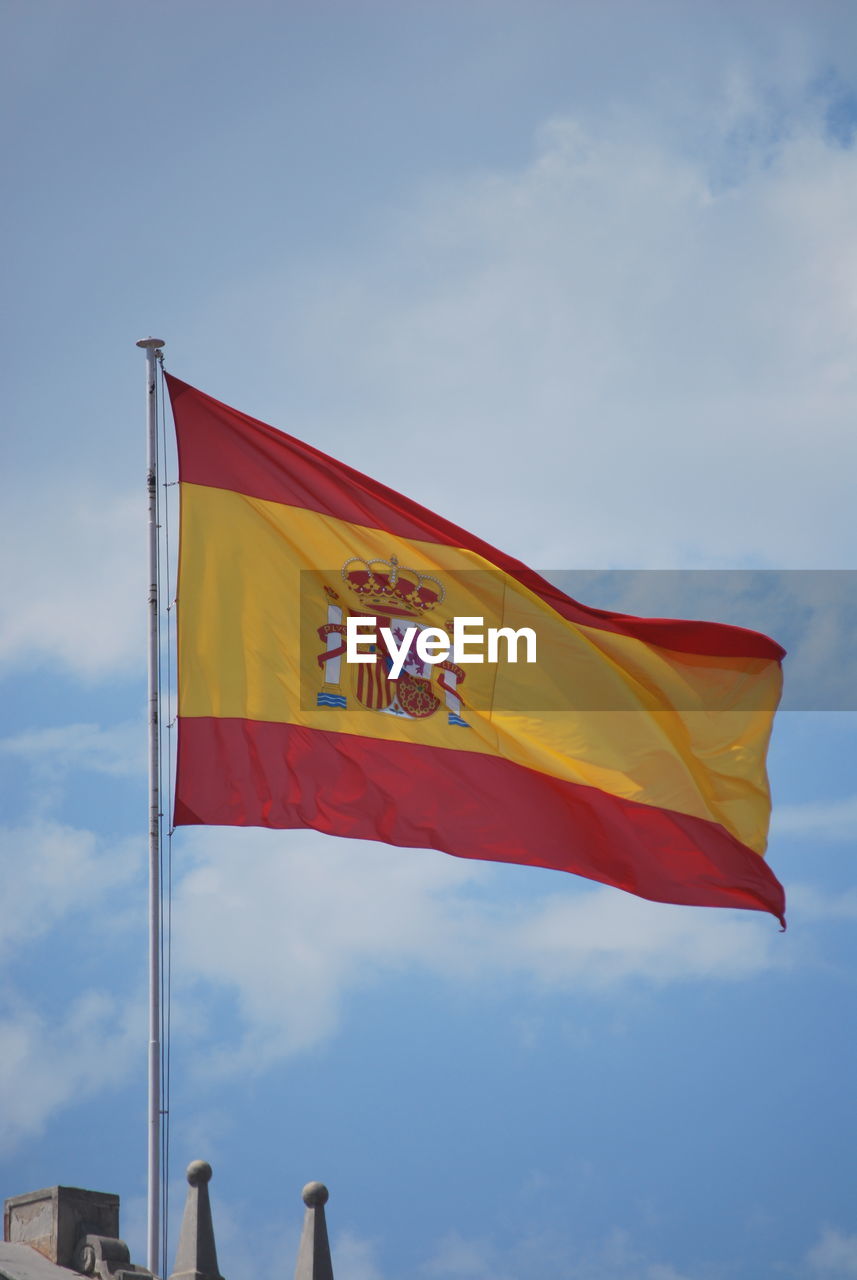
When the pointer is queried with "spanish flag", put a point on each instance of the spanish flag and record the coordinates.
(631, 751)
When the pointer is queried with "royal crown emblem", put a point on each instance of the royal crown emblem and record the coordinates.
(391, 588)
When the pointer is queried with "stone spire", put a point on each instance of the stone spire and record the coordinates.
(196, 1256)
(314, 1255)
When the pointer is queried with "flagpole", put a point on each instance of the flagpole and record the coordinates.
(152, 347)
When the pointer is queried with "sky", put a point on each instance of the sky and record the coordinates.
(582, 278)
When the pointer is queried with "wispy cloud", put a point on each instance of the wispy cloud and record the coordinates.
(615, 1257)
(311, 918)
(517, 315)
(47, 1064)
(355, 1258)
(75, 585)
(118, 751)
(809, 902)
(834, 1255)
(51, 870)
(59, 1054)
(832, 820)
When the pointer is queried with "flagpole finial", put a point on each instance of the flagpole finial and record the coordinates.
(154, 343)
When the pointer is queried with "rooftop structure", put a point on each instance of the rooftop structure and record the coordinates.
(64, 1232)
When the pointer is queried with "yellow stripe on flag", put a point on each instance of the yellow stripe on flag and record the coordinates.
(252, 597)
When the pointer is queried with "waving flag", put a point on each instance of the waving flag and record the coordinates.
(631, 751)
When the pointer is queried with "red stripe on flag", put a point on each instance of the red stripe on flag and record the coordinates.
(252, 773)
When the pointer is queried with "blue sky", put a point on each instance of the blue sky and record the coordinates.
(582, 278)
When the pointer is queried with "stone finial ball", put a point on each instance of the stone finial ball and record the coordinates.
(198, 1171)
(315, 1194)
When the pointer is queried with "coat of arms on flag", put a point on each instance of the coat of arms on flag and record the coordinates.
(400, 599)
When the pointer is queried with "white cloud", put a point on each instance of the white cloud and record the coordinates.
(832, 820)
(59, 1053)
(46, 1065)
(834, 1255)
(612, 358)
(813, 903)
(615, 1257)
(76, 584)
(51, 870)
(309, 918)
(460, 1257)
(354, 1258)
(118, 751)
(603, 935)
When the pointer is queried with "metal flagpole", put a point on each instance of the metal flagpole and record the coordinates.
(152, 347)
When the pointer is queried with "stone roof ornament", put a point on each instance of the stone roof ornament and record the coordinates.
(107, 1258)
(196, 1256)
(314, 1261)
(52, 1233)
